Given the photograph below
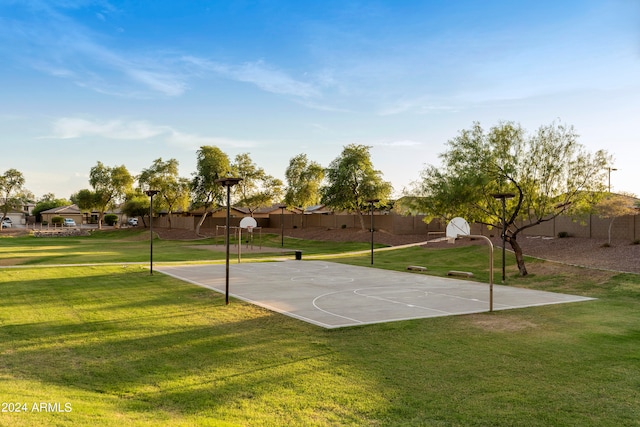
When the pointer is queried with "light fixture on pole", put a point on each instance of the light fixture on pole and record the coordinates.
(371, 202)
(282, 224)
(151, 193)
(503, 197)
(610, 170)
(228, 182)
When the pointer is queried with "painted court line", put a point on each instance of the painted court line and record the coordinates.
(334, 295)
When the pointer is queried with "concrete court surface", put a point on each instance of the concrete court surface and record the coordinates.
(335, 295)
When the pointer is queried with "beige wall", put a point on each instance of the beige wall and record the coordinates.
(627, 227)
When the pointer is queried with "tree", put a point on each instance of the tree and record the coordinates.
(46, 202)
(548, 172)
(11, 187)
(303, 182)
(110, 185)
(137, 204)
(257, 189)
(614, 206)
(85, 199)
(212, 164)
(173, 190)
(352, 180)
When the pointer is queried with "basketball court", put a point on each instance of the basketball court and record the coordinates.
(333, 295)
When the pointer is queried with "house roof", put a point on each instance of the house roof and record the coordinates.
(317, 209)
(69, 209)
(275, 208)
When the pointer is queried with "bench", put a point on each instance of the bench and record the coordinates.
(460, 273)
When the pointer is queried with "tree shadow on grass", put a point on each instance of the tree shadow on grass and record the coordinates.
(156, 341)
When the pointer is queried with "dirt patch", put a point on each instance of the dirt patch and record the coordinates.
(500, 323)
(14, 232)
(12, 261)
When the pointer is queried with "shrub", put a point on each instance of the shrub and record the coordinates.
(563, 234)
(111, 219)
(57, 220)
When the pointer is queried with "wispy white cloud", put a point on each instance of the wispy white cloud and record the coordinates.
(192, 141)
(73, 127)
(136, 130)
(64, 48)
(49, 41)
(258, 73)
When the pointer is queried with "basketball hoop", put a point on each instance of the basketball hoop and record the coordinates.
(248, 222)
(250, 229)
(459, 227)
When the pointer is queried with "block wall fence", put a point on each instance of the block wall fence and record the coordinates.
(626, 228)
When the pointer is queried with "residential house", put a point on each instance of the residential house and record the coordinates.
(70, 211)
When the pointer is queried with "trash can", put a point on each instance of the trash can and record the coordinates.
(298, 255)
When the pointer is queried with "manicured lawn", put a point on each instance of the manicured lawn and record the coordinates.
(134, 246)
(121, 347)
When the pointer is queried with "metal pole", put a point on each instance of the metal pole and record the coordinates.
(504, 236)
(490, 275)
(503, 197)
(282, 226)
(371, 233)
(151, 235)
(228, 182)
(151, 193)
(371, 202)
(226, 299)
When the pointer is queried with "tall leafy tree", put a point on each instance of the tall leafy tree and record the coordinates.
(257, 189)
(303, 178)
(11, 191)
(137, 204)
(46, 202)
(352, 180)
(85, 199)
(110, 185)
(173, 190)
(212, 164)
(548, 172)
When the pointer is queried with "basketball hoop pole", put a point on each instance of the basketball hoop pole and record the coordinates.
(479, 236)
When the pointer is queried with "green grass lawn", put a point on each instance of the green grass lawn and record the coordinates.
(134, 246)
(120, 347)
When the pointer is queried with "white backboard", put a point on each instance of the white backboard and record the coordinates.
(458, 227)
(247, 222)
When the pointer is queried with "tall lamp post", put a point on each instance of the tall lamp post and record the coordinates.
(371, 202)
(151, 193)
(503, 197)
(228, 182)
(610, 170)
(282, 225)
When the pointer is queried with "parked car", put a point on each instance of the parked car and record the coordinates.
(132, 222)
(6, 223)
(69, 222)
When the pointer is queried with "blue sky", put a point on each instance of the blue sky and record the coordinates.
(127, 82)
